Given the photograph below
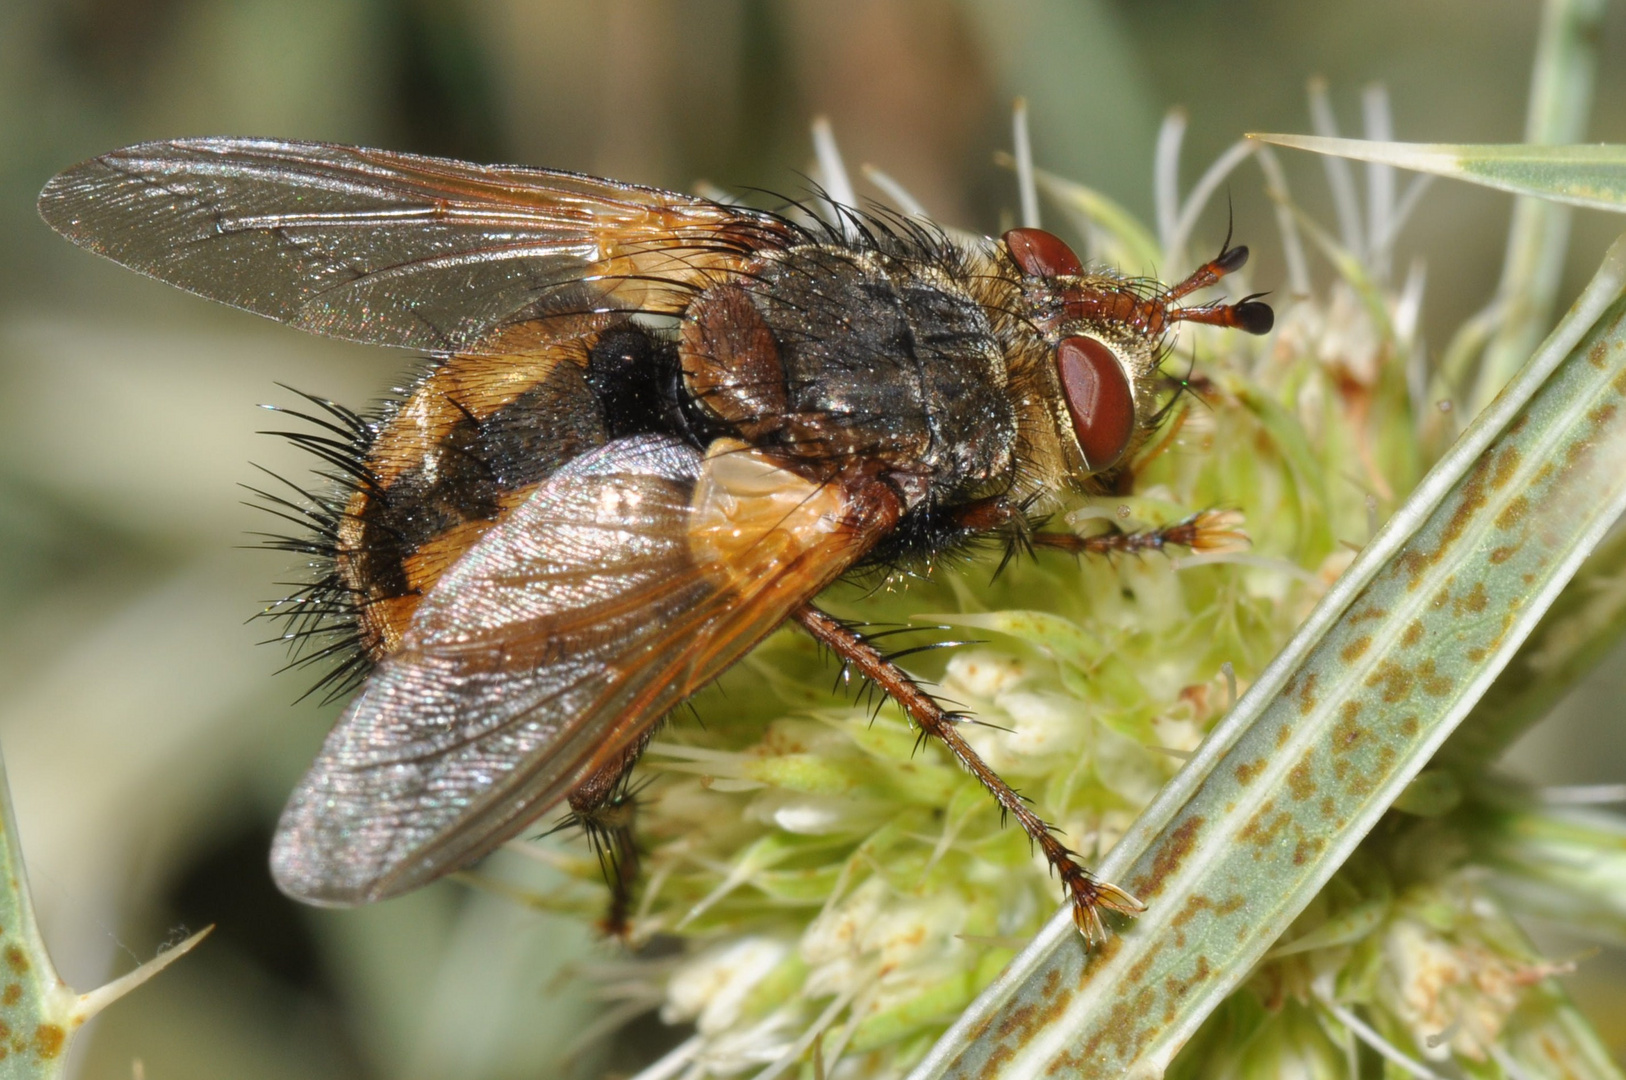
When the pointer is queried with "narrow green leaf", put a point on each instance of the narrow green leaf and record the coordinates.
(1332, 732)
(1583, 628)
(1590, 175)
(39, 1012)
(36, 1006)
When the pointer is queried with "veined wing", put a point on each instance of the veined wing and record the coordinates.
(628, 581)
(395, 249)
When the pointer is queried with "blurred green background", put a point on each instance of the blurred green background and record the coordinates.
(148, 747)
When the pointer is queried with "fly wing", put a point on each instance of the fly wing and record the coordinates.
(395, 249)
(628, 581)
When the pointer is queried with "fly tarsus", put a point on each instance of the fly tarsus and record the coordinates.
(1208, 532)
(1087, 893)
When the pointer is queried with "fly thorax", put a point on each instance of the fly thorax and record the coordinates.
(833, 355)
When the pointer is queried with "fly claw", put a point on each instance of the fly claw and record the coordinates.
(1089, 895)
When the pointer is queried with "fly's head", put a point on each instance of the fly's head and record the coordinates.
(1102, 336)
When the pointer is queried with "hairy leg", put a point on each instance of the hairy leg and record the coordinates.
(606, 808)
(1087, 893)
(1210, 530)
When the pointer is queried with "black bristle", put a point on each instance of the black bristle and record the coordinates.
(319, 621)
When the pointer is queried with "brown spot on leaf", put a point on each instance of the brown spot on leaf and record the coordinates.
(1513, 513)
(1017, 1021)
(1300, 782)
(1307, 848)
(1413, 634)
(1472, 497)
(1409, 726)
(1056, 999)
(1411, 563)
(1170, 854)
(1366, 614)
(1433, 683)
(48, 1040)
(997, 1059)
(1139, 968)
(1347, 732)
(16, 959)
(1500, 555)
(1355, 649)
(1179, 988)
(1122, 1029)
(12, 994)
(1265, 826)
(1306, 695)
(1396, 681)
(1507, 464)
(1186, 913)
(1246, 771)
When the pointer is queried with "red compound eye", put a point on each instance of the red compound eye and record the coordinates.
(1042, 254)
(1099, 398)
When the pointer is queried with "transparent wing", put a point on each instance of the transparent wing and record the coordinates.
(395, 249)
(628, 581)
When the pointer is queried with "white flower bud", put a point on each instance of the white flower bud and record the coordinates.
(712, 988)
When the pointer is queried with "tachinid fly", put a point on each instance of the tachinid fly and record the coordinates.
(656, 427)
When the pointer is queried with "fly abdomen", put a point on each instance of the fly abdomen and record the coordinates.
(634, 374)
(626, 370)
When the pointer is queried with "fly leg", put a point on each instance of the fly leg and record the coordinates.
(1210, 530)
(605, 807)
(1088, 894)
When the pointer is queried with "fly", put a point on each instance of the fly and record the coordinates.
(656, 428)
